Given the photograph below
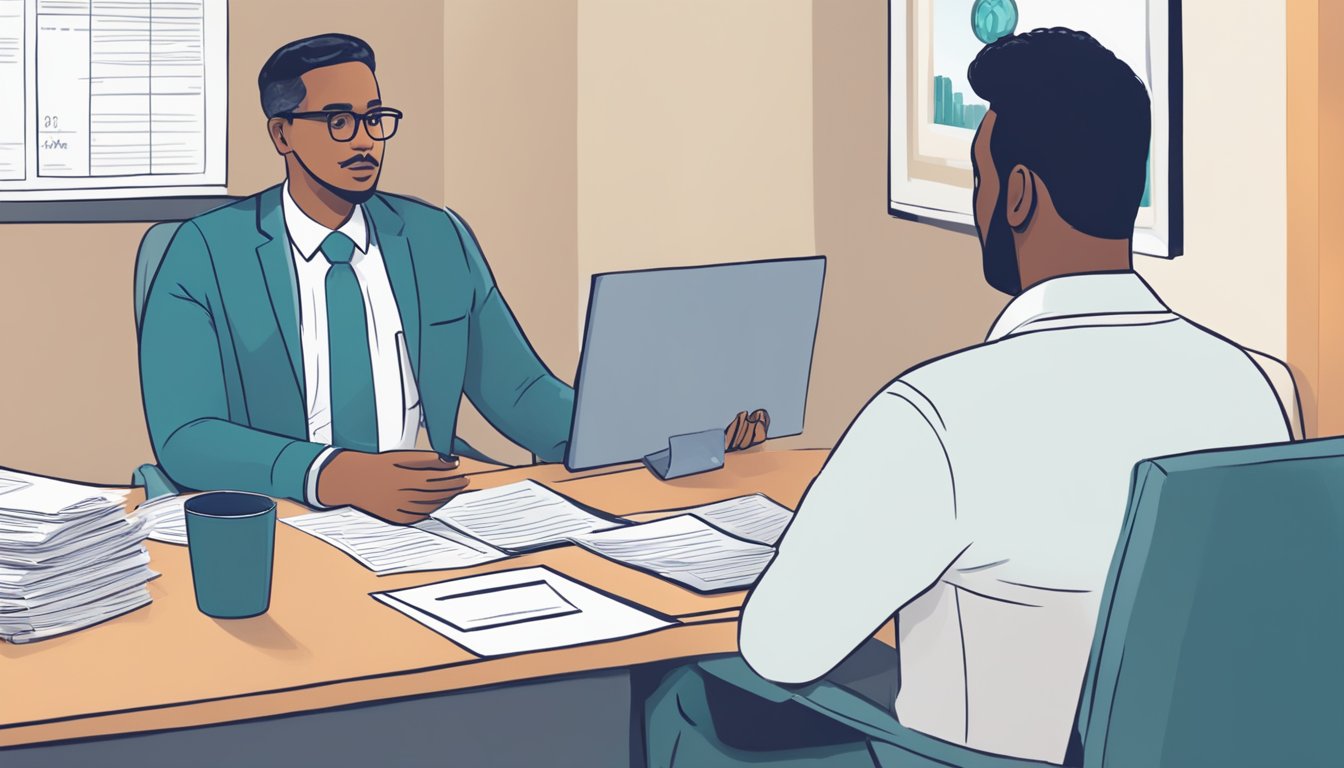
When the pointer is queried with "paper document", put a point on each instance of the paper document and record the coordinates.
(498, 606)
(13, 65)
(485, 602)
(385, 548)
(50, 498)
(685, 549)
(754, 517)
(125, 95)
(520, 517)
(166, 517)
(719, 546)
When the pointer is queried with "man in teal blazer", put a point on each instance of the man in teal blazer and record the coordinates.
(294, 342)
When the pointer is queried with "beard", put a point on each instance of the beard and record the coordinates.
(352, 196)
(999, 251)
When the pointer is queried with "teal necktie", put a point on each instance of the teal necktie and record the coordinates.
(354, 415)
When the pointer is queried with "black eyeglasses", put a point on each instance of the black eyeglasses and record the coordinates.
(380, 123)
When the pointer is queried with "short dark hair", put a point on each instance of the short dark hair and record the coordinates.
(1074, 114)
(279, 82)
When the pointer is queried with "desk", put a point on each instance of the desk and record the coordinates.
(326, 644)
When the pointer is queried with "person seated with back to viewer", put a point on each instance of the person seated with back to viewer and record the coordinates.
(295, 341)
(979, 496)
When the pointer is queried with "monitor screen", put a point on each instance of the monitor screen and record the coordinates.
(675, 351)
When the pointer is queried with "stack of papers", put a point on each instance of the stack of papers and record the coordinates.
(165, 519)
(720, 546)
(69, 557)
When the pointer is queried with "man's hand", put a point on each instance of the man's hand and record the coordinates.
(746, 430)
(401, 487)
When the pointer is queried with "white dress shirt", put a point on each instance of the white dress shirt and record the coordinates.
(395, 394)
(980, 497)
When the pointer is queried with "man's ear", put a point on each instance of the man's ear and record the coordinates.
(276, 126)
(1021, 200)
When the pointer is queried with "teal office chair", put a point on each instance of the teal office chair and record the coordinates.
(147, 259)
(1220, 639)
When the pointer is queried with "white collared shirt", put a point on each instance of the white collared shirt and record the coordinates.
(980, 497)
(395, 393)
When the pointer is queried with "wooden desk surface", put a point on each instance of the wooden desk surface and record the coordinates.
(326, 643)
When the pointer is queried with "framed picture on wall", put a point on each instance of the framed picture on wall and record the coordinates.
(934, 114)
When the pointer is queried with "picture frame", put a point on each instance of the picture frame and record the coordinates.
(933, 114)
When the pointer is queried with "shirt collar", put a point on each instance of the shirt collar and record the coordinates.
(307, 235)
(1077, 296)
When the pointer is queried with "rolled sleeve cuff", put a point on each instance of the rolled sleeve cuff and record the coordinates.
(315, 469)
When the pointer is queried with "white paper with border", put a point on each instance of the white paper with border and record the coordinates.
(599, 617)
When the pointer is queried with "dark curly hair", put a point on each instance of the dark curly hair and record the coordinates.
(1074, 114)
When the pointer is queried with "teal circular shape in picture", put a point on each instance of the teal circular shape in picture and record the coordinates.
(992, 19)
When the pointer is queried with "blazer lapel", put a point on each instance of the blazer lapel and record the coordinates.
(277, 266)
(396, 250)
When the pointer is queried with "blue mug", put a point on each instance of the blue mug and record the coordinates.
(231, 539)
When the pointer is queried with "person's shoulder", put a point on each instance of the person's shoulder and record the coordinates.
(927, 385)
(414, 211)
(228, 220)
(952, 368)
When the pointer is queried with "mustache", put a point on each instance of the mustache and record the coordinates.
(359, 159)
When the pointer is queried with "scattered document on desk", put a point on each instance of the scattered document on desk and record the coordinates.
(521, 516)
(684, 549)
(756, 517)
(70, 557)
(715, 547)
(511, 613)
(385, 548)
(500, 606)
(166, 518)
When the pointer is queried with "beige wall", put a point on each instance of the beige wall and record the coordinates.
(70, 399)
(695, 134)
(583, 136)
(1234, 275)
(510, 122)
(69, 390)
(897, 292)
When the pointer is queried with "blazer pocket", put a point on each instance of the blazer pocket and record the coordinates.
(449, 321)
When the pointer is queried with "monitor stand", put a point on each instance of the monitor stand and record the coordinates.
(688, 454)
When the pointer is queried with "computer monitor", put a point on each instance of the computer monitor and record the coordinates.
(681, 350)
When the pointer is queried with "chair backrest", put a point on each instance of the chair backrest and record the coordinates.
(1220, 632)
(147, 259)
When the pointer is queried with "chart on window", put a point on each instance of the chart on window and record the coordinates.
(112, 98)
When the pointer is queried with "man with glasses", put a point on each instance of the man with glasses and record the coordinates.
(294, 342)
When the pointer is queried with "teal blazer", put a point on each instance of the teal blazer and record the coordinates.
(221, 370)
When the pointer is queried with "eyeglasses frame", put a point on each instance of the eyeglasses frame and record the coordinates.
(359, 118)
